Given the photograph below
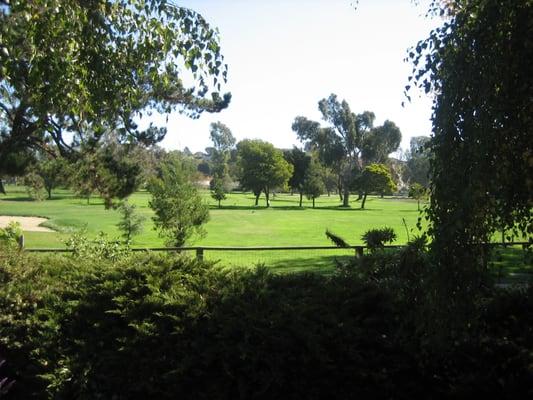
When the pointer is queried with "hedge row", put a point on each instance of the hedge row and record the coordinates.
(150, 326)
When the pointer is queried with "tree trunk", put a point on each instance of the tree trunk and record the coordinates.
(339, 190)
(346, 197)
(219, 203)
(313, 202)
(363, 203)
(418, 204)
(267, 195)
(2, 190)
(359, 196)
(301, 197)
(257, 198)
(49, 190)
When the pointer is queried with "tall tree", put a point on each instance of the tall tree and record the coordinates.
(300, 162)
(90, 67)
(262, 167)
(348, 141)
(339, 144)
(223, 142)
(380, 142)
(478, 67)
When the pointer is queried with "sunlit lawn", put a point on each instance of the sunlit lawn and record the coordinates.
(238, 223)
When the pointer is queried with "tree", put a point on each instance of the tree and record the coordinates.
(108, 170)
(418, 159)
(300, 162)
(380, 142)
(223, 142)
(178, 207)
(130, 223)
(313, 185)
(87, 68)
(261, 167)
(348, 141)
(478, 67)
(375, 178)
(52, 171)
(417, 192)
(217, 190)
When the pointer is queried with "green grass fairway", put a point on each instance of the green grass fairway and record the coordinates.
(237, 223)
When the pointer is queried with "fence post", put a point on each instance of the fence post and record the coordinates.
(200, 254)
(20, 241)
(359, 251)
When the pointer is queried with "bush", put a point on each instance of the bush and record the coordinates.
(11, 234)
(376, 238)
(165, 326)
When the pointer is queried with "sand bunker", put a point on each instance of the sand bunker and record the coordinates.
(27, 223)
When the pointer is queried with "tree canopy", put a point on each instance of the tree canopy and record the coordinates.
(478, 65)
(84, 68)
(262, 167)
(349, 141)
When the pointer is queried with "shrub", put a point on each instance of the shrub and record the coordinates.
(11, 234)
(376, 238)
(165, 326)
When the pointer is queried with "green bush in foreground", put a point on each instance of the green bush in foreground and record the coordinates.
(151, 326)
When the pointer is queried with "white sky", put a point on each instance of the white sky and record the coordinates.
(284, 56)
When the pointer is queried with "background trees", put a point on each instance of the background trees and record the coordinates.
(375, 178)
(261, 168)
(223, 142)
(349, 142)
(418, 159)
(300, 162)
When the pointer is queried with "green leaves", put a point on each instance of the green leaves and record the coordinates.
(85, 67)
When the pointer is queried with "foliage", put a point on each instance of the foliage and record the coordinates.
(108, 170)
(337, 240)
(100, 248)
(178, 207)
(418, 159)
(11, 234)
(91, 68)
(34, 184)
(313, 185)
(376, 238)
(477, 65)
(223, 142)
(300, 162)
(5, 383)
(261, 167)
(154, 326)
(131, 223)
(51, 170)
(375, 178)
(380, 142)
(417, 192)
(218, 191)
(348, 142)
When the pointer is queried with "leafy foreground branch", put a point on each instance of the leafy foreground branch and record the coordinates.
(150, 326)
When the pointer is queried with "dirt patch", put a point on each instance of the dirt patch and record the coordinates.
(28, 223)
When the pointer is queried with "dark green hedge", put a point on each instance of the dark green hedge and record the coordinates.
(161, 327)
